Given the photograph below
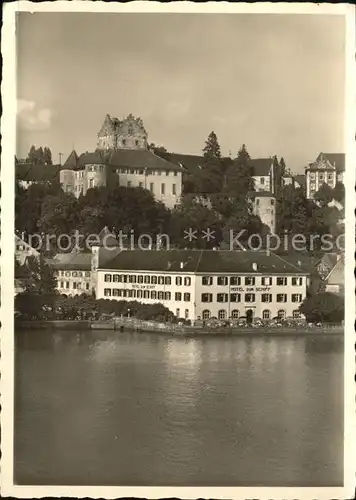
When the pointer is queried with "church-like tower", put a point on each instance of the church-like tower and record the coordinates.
(128, 133)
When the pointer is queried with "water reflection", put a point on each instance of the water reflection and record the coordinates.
(109, 408)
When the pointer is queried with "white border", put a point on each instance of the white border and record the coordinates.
(8, 129)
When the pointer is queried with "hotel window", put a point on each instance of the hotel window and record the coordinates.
(79, 286)
(178, 296)
(141, 172)
(131, 294)
(107, 278)
(74, 274)
(206, 297)
(167, 280)
(222, 297)
(167, 295)
(175, 174)
(140, 185)
(124, 278)
(321, 176)
(187, 297)
(281, 314)
(262, 180)
(174, 189)
(266, 314)
(297, 281)
(235, 281)
(187, 281)
(147, 279)
(146, 294)
(124, 293)
(312, 176)
(281, 281)
(136, 142)
(296, 314)
(186, 313)
(67, 284)
(132, 279)
(272, 202)
(177, 312)
(87, 286)
(281, 297)
(123, 142)
(167, 173)
(129, 184)
(161, 280)
(330, 177)
(222, 280)
(158, 172)
(178, 280)
(116, 278)
(87, 274)
(235, 314)
(296, 297)
(160, 295)
(249, 281)
(207, 280)
(80, 274)
(222, 314)
(249, 297)
(266, 297)
(154, 280)
(235, 297)
(266, 281)
(61, 285)
(206, 314)
(107, 292)
(151, 187)
(139, 279)
(139, 294)
(257, 201)
(163, 188)
(153, 295)
(115, 292)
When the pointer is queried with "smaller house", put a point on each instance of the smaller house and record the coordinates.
(73, 273)
(23, 250)
(335, 280)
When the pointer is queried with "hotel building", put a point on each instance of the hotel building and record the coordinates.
(203, 284)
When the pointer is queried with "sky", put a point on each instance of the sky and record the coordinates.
(273, 82)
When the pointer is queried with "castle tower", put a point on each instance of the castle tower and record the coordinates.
(128, 133)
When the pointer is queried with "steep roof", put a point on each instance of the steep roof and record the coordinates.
(96, 157)
(337, 159)
(140, 158)
(260, 166)
(202, 261)
(39, 173)
(191, 163)
(75, 261)
(337, 274)
(300, 178)
(72, 161)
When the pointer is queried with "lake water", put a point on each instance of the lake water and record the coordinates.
(106, 408)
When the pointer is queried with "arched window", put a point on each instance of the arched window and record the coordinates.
(296, 314)
(266, 314)
(235, 314)
(206, 314)
(281, 314)
(222, 314)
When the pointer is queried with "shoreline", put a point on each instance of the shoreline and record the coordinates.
(187, 332)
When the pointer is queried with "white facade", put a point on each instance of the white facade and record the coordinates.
(203, 296)
(262, 182)
(165, 185)
(73, 282)
(322, 171)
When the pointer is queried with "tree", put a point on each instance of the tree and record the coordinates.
(294, 210)
(282, 166)
(239, 180)
(339, 192)
(47, 156)
(324, 195)
(210, 178)
(323, 307)
(32, 155)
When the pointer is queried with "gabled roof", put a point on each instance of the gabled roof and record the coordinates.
(202, 261)
(140, 158)
(96, 157)
(260, 166)
(336, 159)
(337, 274)
(72, 161)
(37, 173)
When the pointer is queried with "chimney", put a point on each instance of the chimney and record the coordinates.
(181, 265)
(299, 263)
(254, 266)
(169, 265)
